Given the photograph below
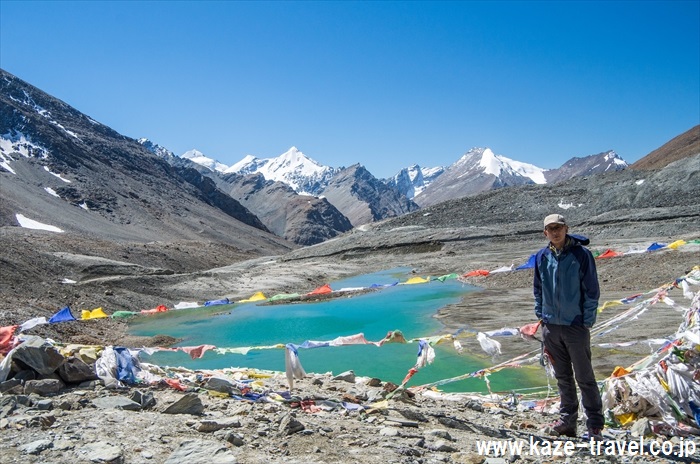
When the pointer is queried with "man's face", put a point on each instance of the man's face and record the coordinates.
(556, 233)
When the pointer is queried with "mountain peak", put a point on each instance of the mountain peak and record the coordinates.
(190, 154)
(198, 157)
(294, 168)
(491, 163)
(241, 166)
(294, 157)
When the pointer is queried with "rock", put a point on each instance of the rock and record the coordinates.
(389, 387)
(220, 385)
(189, 403)
(201, 452)
(9, 385)
(444, 434)
(65, 405)
(347, 376)
(39, 355)
(102, 451)
(25, 374)
(36, 447)
(389, 432)
(402, 421)
(441, 446)
(74, 370)
(206, 426)
(290, 425)
(374, 382)
(475, 405)
(7, 405)
(145, 399)
(44, 405)
(349, 398)
(412, 415)
(234, 438)
(116, 402)
(44, 421)
(455, 423)
(63, 445)
(43, 387)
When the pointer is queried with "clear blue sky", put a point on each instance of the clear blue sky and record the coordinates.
(385, 84)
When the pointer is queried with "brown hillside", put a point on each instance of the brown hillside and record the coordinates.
(685, 145)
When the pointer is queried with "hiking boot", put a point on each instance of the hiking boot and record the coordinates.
(561, 428)
(594, 434)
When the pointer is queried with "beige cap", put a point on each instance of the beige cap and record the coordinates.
(554, 219)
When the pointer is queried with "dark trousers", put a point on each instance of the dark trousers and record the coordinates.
(569, 347)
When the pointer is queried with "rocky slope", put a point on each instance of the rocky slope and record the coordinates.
(362, 198)
(590, 165)
(302, 219)
(681, 146)
(61, 168)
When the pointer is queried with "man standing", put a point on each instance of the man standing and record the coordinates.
(566, 300)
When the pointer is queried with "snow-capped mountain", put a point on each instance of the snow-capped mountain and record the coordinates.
(300, 219)
(487, 162)
(594, 164)
(198, 157)
(156, 149)
(303, 174)
(411, 181)
(294, 168)
(479, 170)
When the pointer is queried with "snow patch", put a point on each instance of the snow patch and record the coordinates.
(52, 192)
(563, 205)
(639, 182)
(29, 101)
(19, 143)
(6, 165)
(69, 132)
(612, 156)
(32, 224)
(46, 168)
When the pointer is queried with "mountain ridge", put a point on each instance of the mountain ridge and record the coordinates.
(117, 187)
(478, 170)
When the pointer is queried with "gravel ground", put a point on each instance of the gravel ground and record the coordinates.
(420, 427)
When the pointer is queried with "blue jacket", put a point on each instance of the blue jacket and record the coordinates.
(566, 286)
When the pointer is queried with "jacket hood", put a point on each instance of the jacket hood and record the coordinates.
(580, 239)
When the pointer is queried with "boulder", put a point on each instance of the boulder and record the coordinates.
(43, 387)
(75, 370)
(190, 403)
(39, 355)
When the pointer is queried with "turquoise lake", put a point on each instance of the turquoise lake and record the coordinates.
(408, 308)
